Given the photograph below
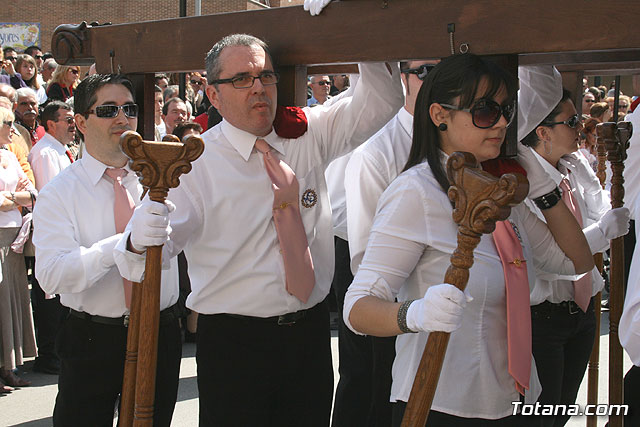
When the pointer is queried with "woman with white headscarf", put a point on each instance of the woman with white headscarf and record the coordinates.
(562, 314)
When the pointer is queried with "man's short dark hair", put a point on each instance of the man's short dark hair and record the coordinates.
(165, 107)
(182, 128)
(8, 49)
(31, 49)
(157, 89)
(84, 96)
(50, 112)
(212, 60)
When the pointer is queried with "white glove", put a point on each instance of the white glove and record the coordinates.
(540, 183)
(315, 6)
(614, 223)
(439, 310)
(584, 173)
(149, 224)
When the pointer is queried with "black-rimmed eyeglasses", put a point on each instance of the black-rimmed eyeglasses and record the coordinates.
(267, 78)
(572, 122)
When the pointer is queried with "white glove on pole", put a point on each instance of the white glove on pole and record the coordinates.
(540, 183)
(315, 6)
(584, 173)
(439, 310)
(149, 224)
(614, 223)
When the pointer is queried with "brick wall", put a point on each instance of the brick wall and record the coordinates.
(50, 14)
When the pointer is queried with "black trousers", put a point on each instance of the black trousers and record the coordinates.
(92, 366)
(253, 372)
(440, 419)
(632, 396)
(48, 315)
(362, 395)
(562, 344)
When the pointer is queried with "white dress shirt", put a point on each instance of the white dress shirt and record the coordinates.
(223, 217)
(334, 175)
(631, 171)
(10, 173)
(412, 239)
(74, 235)
(629, 328)
(47, 158)
(369, 172)
(557, 288)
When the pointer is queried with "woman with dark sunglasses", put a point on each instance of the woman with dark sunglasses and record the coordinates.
(63, 82)
(562, 314)
(465, 104)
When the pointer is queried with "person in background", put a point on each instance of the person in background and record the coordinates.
(320, 86)
(339, 83)
(587, 101)
(8, 74)
(28, 69)
(160, 127)
(27, 112)
(48, 68)
(63, 82)
(600, 111)
(17, 337)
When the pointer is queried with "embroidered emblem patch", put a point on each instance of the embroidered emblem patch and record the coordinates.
(309, 198)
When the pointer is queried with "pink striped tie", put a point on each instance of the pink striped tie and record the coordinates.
(581, 287)
(298, 265)
(123, 207)
(518, 309)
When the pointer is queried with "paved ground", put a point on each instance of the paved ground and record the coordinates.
(33, 406)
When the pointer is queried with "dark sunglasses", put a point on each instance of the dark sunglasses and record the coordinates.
(485, 113)
(69, 120)
(572, 122)
(195, 82)
(323, 83)
(38, 56)
(7, 123)
(421, 71)
(12, 58)
(589, 101)
(74, 71)
(111, 111)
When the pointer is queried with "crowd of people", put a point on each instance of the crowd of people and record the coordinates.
(346, 196)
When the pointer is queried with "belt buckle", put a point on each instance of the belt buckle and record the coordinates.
(571, 308)
(286, 320)
(125, 321)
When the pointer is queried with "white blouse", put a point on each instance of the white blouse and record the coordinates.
(409, 249)
(10, 174)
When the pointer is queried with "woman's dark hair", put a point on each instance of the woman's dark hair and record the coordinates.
(598, 109)
(532, 139)
(455, 76)
(595, 92)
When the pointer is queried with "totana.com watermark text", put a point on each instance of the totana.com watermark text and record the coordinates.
(571, 410)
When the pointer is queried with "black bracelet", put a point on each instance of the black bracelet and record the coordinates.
(549, 200)
(402, 317)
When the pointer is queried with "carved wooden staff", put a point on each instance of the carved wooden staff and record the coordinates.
(616, 139)
(159, 165)
(480, 200)
(593, 372)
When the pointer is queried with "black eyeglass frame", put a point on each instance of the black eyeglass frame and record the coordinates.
(575, 119)
(234, 80)
(487, 102)
(101, 111)
(420, 71)
(69, 120)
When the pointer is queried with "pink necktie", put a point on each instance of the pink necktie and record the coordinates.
(298, 266)
(123, 207)
(518, 310)
(581, 287)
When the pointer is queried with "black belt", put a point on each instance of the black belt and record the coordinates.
(166, 316)
(287, 319)
(547, 308)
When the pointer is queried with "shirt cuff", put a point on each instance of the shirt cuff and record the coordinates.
(595, 238)
(130, 265)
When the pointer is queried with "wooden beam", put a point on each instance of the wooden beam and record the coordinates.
(366, 30)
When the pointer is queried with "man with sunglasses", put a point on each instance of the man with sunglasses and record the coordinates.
(264, 354)
(320, 87)
(362, 395)
(78, 220)
(8, 74)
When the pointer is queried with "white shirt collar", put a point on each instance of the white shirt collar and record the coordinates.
(95, 168)
(53, 138)
(244, 141)
(554, 173)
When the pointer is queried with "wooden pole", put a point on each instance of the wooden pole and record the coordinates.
(480, 200)
(616, 138)
(160, 165)
(593, 371)
(127, 399)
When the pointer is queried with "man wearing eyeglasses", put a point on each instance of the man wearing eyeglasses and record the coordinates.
(264, 353)
(78, 219)
(320, 87)
(365, 362)
(8, 74)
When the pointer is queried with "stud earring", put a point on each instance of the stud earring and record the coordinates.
(442, 127)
